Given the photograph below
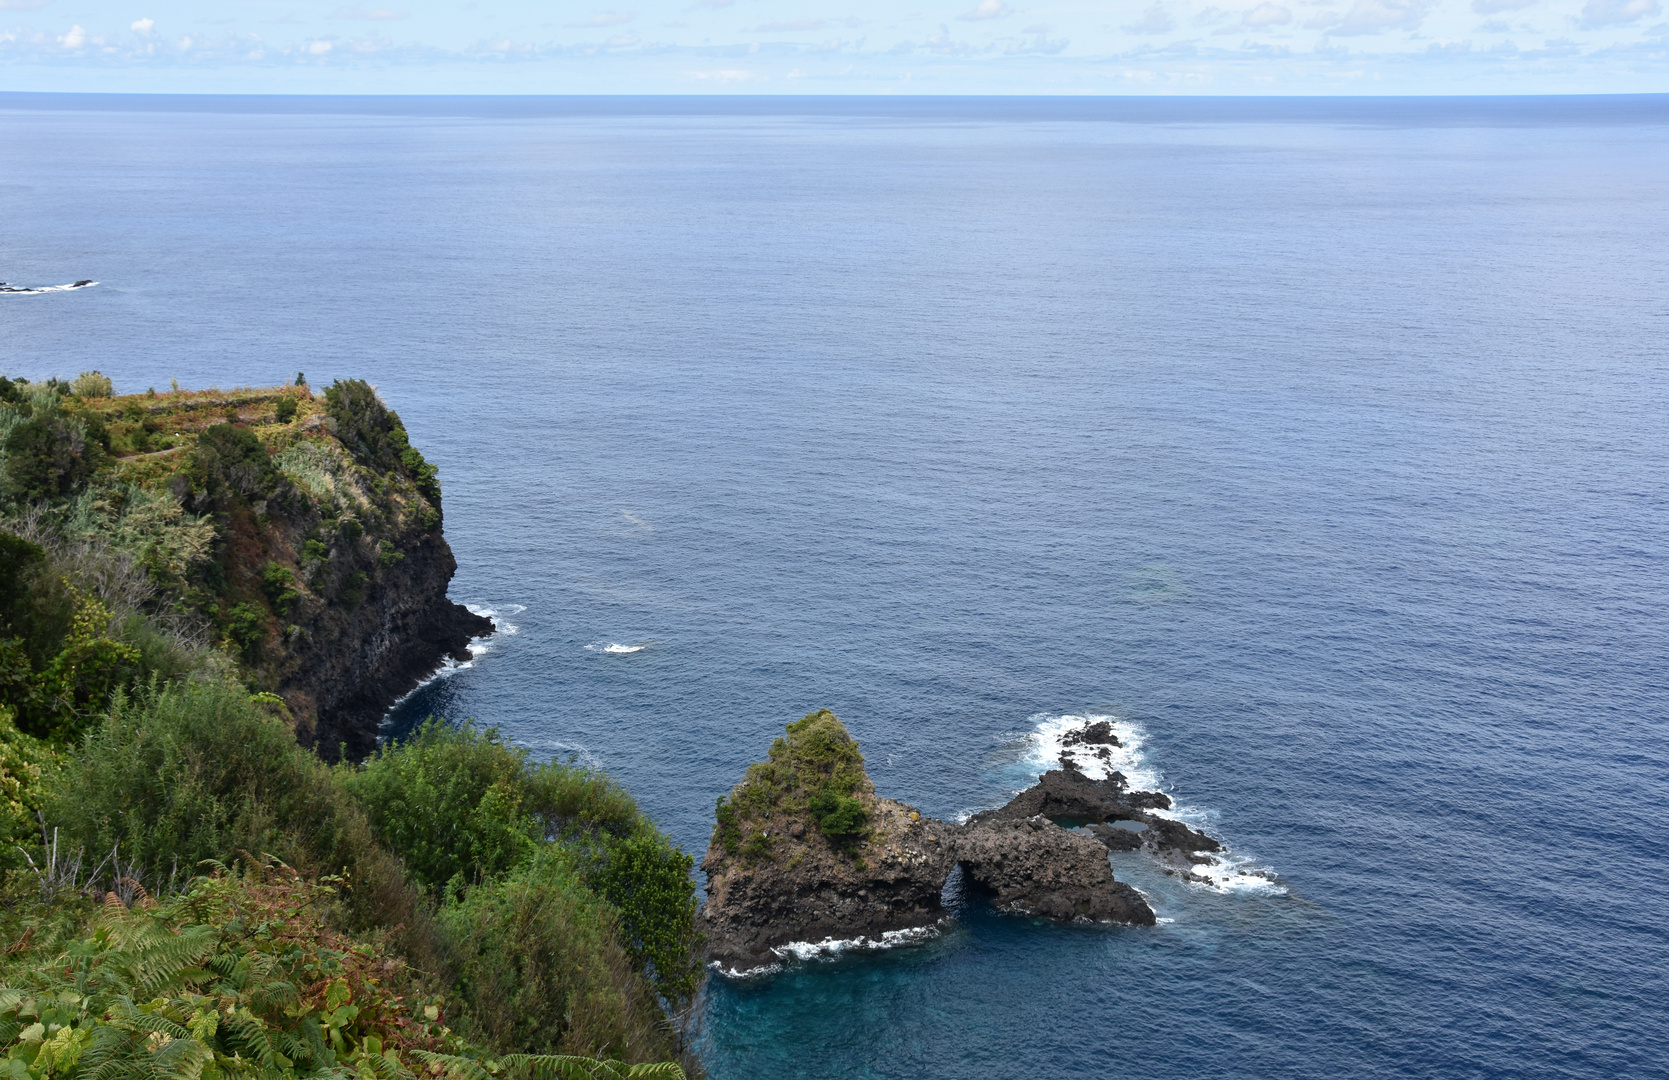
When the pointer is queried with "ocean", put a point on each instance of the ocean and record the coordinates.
(1321, 445)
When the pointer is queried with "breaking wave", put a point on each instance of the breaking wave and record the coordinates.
(1050, 739)
(36, 290)
(833, 949)
(615, 648)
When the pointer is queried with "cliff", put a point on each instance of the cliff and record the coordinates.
(300, 533)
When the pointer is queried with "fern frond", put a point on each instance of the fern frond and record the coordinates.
(454, 1067)
(660, 1070)
(182, 1059)
(252, 1036)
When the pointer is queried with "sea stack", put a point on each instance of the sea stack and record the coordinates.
(803, 850)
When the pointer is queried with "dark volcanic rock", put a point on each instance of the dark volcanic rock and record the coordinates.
(807, 891)
(774, 877)
(1116, 839)
(1068, 793)
(1034, 867)
(346, 666)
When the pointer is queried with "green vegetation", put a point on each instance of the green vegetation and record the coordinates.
(187, 892)
(814, 771)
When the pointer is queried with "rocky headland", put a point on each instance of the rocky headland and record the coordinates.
(804, 850)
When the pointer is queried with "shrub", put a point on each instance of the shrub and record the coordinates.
(246, 625)
(279, 583)
(284, 410)
(375, 435)
(195, 771)
(840, 817)
(48, 456)
(463, 808)
(231, 464)
(92, 384)
(540, 967)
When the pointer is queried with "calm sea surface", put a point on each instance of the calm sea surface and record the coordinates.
(1324, 444)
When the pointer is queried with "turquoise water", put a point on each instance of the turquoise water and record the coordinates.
(1320, 443)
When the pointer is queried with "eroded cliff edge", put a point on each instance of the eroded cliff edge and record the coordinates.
(804, 850)
(298, 533)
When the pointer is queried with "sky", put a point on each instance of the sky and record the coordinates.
(837, 46)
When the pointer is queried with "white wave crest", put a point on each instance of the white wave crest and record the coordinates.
(501, 624)
(615, 648)
(833, 948)
(36, 290)
(567, 751)
(1041, 750)
(1047, 742)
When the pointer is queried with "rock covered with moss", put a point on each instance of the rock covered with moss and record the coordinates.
(803, 850)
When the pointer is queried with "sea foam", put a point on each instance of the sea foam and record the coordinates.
(1041, 750)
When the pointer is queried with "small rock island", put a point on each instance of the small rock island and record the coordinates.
(804, 850)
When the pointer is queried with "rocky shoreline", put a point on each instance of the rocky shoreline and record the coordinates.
(785, 866)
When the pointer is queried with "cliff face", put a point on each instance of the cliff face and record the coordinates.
(300, 533)
(346, 666)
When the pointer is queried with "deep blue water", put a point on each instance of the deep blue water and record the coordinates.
(1325, 443)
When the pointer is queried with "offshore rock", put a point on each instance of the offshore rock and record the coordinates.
(1068, 793)
(804, 851)
(1032, 866)
(806, 890)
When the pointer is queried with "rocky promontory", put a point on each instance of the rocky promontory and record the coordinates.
(803, 850)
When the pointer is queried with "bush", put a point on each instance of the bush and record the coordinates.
(375, 435)
(463, 808)
(47, 457)
(279, 583)
(284, 410)
(231, 464)
(246, 625)
(840, 817)
(186, 773)
(540, 967)
(92, 384)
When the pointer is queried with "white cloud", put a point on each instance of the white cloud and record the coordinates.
(76, 38)
(1038, 46)
(987, 9)
(373, 14)
(1495, 7)
(319, 46)
(1155, 20)
(1376, 17)
(606, 18)
(21, 5)
(620, 41)
(1264, 15)
(143, 26)
(1598, 13)
(804, 22)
